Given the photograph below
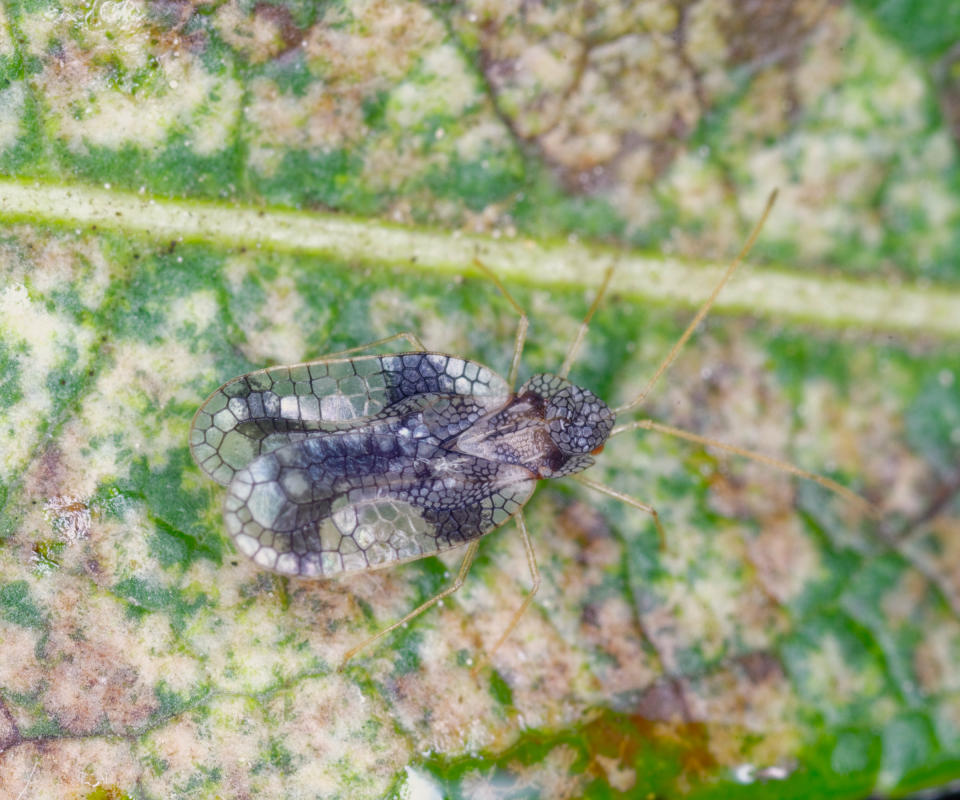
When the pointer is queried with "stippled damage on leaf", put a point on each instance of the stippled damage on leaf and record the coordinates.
(650, 115)
(777, 639)
(610, 94)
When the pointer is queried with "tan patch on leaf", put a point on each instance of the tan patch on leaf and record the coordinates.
(71, 768)
(91, 684)
(785, 558)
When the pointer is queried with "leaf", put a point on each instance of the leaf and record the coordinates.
(189, 193)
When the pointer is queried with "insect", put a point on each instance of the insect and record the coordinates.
(358, 462)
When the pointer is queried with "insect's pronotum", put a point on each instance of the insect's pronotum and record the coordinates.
(347, 464)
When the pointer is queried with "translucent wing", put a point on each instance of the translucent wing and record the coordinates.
(368, 497)
(272, 408)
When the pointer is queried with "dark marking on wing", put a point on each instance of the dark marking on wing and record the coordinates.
(265, 410)
(368, 497)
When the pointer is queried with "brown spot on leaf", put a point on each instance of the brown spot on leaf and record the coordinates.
(770, 30)
(9, 734)
(47, 475)
(760, 666)
(947, 76)
(662, 702)
(91, 686)
(609, 96)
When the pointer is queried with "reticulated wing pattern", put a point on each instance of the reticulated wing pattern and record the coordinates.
(378, 494)
(272, 408)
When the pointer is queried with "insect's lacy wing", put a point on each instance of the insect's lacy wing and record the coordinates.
(355, 501)
(264, 410)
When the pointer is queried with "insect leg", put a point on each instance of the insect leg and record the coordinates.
(582, 330)
(457, 583)
(630, 501)
(784, 466)
(411, 337)
(534, 588)
(522, 323)
(664, 365)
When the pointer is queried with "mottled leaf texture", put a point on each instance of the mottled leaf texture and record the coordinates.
(192, 191)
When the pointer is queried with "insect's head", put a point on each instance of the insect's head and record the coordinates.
(578, 421)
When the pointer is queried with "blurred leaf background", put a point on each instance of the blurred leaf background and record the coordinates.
(781, 645)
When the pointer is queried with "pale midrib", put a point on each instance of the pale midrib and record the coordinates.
(774, 293)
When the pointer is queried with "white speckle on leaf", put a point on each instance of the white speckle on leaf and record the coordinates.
(419, 787)
(11, 107)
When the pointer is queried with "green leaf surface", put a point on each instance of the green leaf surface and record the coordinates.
(189, 193)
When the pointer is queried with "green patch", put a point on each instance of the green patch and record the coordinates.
(172, 547)
(171, 703)
(42, 726)
(406, 648)
(216, 56)
(375, 109)
(933, 419)
(10, 66)
(9, 518)
(871, 589)
(19, 8)
(277, 757)
(653, 759)
(909, 745)
(107, 501)
(331, 179)
(307, 12)
(797, 359)
(66, 300)
(837, 668)
(291, 73)
(479, 182)
(180, 535)
(46, 556)
(856, 752)
(201, 783)
(65, 381)
(17, 607)
(500, 690)
(158, 281)
(144, 596)
(658, 759)
(926, 28)
(10, 389)
(839, 562)
(107, 792)
(171, 168)
(545, 210)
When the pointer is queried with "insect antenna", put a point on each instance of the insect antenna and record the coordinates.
(776, 463)
(665, 364)
(582, 330)
(625, 498)
(522, 323)
(647, 424)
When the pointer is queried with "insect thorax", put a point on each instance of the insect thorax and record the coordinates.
(551, 427)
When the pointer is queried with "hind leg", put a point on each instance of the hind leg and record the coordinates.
(457, 583)
(534, 588)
